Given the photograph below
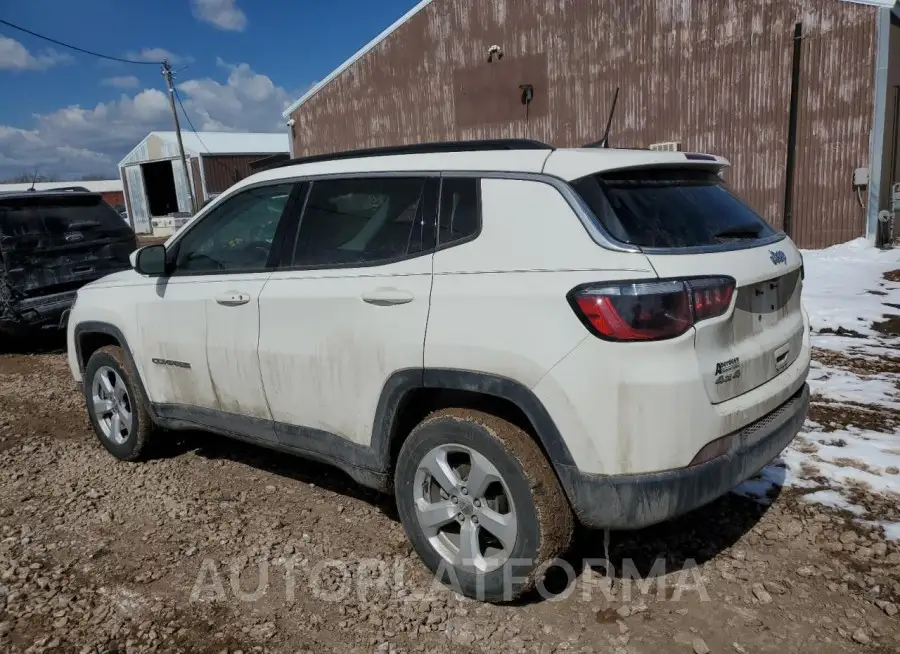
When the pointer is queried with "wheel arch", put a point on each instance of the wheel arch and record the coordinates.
(410, 395)
(91, 335)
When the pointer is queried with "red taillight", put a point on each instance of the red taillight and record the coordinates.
(710, 297)
(651, 311)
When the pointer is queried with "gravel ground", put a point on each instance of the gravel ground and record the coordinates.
(215, 546)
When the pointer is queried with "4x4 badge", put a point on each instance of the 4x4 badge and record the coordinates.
(777, 256)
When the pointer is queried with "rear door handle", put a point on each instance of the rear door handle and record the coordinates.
(232, 299)
(384, 297)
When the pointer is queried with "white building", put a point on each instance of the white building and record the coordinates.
(156, 194)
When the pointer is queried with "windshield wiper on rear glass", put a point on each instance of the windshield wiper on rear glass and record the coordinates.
(739, 233)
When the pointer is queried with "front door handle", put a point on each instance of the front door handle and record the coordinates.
(232, 299)
(384, 297)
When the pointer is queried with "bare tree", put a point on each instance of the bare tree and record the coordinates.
(25, 178)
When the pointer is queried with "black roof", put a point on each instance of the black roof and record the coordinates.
(420, 148)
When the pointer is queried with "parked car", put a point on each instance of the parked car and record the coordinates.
(51, 244)
(508, 337)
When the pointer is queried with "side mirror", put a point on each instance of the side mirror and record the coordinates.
(150, 260)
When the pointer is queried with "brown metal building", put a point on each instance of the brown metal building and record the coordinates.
(721, 76)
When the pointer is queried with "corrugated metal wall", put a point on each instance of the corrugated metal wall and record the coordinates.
(182, 188)
(151, 149)
(712, 74)
(138, 211)
(197, 181)
(222, 171)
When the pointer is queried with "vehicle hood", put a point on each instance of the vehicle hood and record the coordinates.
(121, 278)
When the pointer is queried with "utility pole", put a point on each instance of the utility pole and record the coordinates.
(167, 73)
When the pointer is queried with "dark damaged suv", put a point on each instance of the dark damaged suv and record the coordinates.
(51, 244)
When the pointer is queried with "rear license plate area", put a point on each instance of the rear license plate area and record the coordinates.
(765, 304)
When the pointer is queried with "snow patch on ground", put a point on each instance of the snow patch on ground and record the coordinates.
(835, 500)
(845, 292)
(891, 530)
(839, 285)
(845, 386)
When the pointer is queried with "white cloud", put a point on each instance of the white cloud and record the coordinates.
(223, 14)
(24, 151)
(246, 101)
(75, 140)
(124, 82)
(158, 54)
(15, 56)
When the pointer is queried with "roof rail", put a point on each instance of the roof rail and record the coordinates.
(60, 189)
(419, 148)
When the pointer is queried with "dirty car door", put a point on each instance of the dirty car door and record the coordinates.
(220, 267)
(349, 309)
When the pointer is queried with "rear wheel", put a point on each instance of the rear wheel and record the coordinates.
(481, 504)
(115, 406)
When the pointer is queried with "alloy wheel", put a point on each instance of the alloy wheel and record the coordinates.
(464, 508)
(112, 405)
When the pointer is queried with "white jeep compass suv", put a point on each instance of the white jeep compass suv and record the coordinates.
(507, 336)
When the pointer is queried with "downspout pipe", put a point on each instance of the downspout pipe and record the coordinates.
(876, 145)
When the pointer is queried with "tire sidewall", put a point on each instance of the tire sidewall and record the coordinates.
(128, 449)
(505, 583)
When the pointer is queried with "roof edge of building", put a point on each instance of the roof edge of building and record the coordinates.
(884, 4)
(359, 54)
(134, 149)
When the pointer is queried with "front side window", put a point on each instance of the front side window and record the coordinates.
(363, 221)
(236, 236)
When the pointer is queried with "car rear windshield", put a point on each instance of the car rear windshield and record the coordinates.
(56, 214)
(670, 208)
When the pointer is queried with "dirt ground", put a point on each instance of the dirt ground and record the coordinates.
(215, 546)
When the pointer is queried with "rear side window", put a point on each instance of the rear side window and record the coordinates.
(670, 208)
(58, 214)
(364, 221)
(460, 216)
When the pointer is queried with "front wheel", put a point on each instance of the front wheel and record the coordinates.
(115, 406)
(481, 504)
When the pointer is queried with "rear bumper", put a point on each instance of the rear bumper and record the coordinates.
(641, 500)
(43, 312)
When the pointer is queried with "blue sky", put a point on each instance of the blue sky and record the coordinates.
(70, 114)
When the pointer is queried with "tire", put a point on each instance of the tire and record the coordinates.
(135, 427)
(523, 503)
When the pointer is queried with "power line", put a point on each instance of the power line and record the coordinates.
(76, 48)
(214, 160)
(178, 97)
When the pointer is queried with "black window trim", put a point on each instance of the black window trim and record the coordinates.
(589, 222)
(430, 205)
(274, 254)
(479, 214)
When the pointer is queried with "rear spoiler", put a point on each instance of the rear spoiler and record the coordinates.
(575, 164)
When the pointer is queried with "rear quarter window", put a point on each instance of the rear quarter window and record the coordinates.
(670, 208)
